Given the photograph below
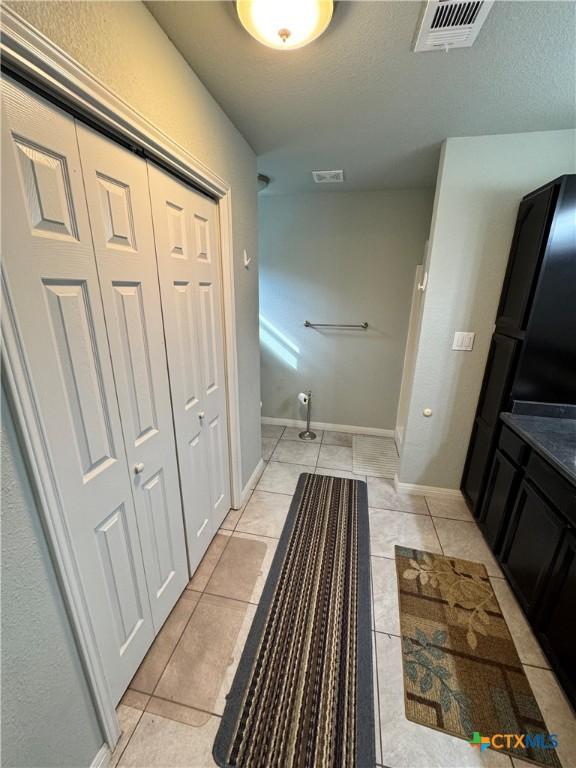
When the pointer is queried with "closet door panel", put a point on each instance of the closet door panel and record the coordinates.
(185, 337)
(174, 228)
(52, 290)
(207, 272)
(116, 184)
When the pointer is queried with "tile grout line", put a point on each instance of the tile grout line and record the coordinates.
(185, 706)
(375, 676)
(176, 644)
(438, 537)
(130, 737)
(536, 666)
(257, 535)
(388, 634)
(235, 599)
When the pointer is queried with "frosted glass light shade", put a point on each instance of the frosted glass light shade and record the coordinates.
(285, 24)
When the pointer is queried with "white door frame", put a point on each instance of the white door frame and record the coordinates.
(40, 62)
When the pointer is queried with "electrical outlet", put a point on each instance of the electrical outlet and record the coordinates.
(463, 341)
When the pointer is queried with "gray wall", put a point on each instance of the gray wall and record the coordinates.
(47, 714)
(480, 184)
(338, 257)
(123, 46)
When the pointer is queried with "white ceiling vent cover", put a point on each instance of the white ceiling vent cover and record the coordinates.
(328, 177)
(451, 24)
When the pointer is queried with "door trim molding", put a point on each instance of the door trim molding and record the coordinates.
(39, 62)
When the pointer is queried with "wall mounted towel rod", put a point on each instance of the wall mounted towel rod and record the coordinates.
(361, 326)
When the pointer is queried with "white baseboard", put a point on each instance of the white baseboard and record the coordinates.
(425, 490)
(329, 427)
(251, 484)
(102, 757)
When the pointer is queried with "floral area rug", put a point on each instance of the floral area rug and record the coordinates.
(462, 674)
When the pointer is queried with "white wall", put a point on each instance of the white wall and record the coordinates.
(480, 184)
(338, 257)
(123, 46)
(48, 718)
(412, 338)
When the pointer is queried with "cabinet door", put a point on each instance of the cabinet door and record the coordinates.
(496, 386)
(53, 293)
(557, 622)
(116, 183)
(498, 500)
(546, 372)
(531, 544)
(532, 227)
(478, 461)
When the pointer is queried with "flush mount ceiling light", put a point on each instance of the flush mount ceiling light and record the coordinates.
(285, 24)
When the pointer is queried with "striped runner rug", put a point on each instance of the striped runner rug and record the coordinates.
(303, 692)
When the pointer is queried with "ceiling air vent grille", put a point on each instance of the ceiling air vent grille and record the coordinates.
(451, 24)
(328, 177)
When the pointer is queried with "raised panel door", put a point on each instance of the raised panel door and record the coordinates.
(531, 232)
(116, 183)
(500, 367)
(51, 288)
(207, 275)
(498, 500)
(530, 545)
(175, 239)
(556, 623)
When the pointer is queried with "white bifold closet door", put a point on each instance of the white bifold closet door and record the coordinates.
(116, 183)
(189, 268)
(53, 292)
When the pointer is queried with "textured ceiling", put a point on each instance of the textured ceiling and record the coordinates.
(359, 98)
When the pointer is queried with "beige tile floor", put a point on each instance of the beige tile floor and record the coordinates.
(170, 714)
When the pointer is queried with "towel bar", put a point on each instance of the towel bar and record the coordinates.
(361, 326)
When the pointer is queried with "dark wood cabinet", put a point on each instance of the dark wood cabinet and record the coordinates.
(530, 546)
(494, 398)
(546, 370)
(523, 499)
(534, 343)
(557, 622)
(495, 395)
(478, 464)
(499, 499)
(528, 517)
(532, 226)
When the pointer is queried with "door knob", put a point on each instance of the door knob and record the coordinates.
(201, 415)
(138, 468)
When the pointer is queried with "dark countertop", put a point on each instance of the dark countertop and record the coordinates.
(553, 438)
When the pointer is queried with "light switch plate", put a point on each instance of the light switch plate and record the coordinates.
(463, 341)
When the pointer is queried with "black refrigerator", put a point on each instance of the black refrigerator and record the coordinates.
(532, 356)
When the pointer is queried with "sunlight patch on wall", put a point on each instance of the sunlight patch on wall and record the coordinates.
(278, 343)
